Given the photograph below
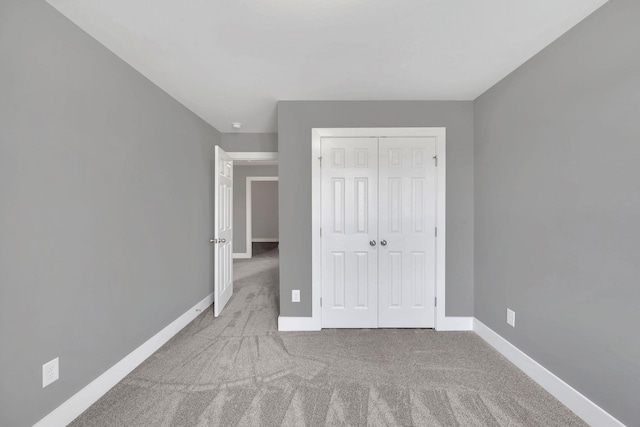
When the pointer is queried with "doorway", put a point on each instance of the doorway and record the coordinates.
(233, 169)
(255, 209)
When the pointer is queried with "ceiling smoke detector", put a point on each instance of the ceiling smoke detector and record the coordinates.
(236, 125)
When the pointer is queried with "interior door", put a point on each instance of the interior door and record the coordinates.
(349, 232)
(407, 254)
(223, 223)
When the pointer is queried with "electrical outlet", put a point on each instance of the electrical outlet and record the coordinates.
(511, 317)
(50, 372)
(295, 295)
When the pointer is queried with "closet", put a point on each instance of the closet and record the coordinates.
(378, 231)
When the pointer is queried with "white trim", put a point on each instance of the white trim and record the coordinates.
(591, 413)
(441, 321)
(376, 132)
(241, 255)
(249, 230)
(265, 240)
(450, 324)
(288, 323)
(253, 155)
(82, 400)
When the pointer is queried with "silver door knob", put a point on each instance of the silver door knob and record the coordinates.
(383, 242)
(372, 242)
(222, 240)
(213, 240)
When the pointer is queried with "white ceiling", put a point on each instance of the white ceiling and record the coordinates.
(231, 61)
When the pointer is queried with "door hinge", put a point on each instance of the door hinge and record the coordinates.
(436, 159)
(320, 302)
(320, 231)
(436, 301)
(436, 231)
(320, 158)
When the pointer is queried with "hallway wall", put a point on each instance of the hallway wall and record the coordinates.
(264, 207)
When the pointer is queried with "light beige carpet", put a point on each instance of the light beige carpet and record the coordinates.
(238, 370)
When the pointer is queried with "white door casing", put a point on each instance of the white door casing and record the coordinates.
(411, 204)
(223, 226)
(349, 232)
(407, 252)
(442, 322)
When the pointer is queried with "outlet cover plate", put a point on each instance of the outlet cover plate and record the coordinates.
(50, 372)
(295, 295)
(511, 317)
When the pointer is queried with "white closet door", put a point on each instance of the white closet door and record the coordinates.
(407, 226)
(349, 232)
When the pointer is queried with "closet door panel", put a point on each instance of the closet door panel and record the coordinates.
(407, 202)
(349, 225)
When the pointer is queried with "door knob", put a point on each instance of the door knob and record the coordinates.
(372, 242)
(383, 242)
(213, 240)
(222, 240)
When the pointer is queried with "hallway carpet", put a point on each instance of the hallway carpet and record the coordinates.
(238, 370)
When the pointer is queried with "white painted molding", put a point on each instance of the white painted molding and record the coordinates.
(450, 324)
(265, 240)
(82, 400)
(288, 323)
(241, 255)
(591, 413)
(253, 155)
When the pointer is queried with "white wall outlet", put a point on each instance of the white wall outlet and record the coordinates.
(295, 295)
(511, 317)
(50, 372)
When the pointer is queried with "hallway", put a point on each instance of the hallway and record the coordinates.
(238, 370)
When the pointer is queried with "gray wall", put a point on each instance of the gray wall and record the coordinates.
(264, 208)
(295, 121)
(106, 209)
(248, 142)
(240, 174)
(557, 190)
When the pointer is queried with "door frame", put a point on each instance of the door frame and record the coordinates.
(249, 232)
(317, 134)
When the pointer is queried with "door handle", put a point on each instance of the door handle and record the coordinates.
(213, 241)
(372, 242)
(383, 242)
(222, 240)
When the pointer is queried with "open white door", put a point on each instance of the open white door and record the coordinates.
(223, 223)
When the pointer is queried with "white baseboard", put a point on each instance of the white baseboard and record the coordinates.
(286, 323)
(241, 255)
(450, 324)
(265, 240)
(80, 402)
(591, 413)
